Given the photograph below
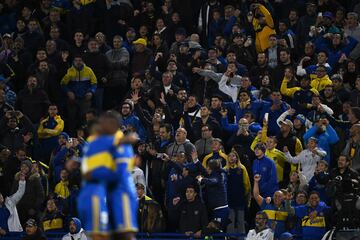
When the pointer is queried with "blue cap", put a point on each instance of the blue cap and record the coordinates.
(301, 117)
(328, 14)
(286, 236)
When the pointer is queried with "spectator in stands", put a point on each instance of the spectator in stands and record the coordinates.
(215, 190)
(193, 214)
(32, 100)
(181, 144)
(238, 192)
(75, 230)
(9, 219)
(52, 219)
(30, 203)
(261, 230)
(33, 231)
(203, 145)
(49, 130)
(264, 167)
(79, 83)
(216, 153)
(116, 80)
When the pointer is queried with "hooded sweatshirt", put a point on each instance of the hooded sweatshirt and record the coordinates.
(78, 235)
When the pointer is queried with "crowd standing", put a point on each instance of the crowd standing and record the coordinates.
(247, 112)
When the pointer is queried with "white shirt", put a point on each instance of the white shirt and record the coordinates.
(265, 234)
(229, 89)
(167, 88)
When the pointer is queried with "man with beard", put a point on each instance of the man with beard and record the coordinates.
(261, 230)
(352, 148)
(75, 231)
(32, 101)
(130, 120)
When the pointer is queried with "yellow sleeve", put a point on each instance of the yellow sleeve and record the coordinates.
(253, 144)
(289, 92)
(298, 146)
(119, 135)
(316, 92)
(41, 130)
(57, 130)
(93, 79)
(264, 134)
(66, 79)
(267, 15)
(246, 180)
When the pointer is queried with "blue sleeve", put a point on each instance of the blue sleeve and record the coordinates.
(227, 126)
(310, 133)
(332, 135)
(92, 88)
(300, 211)
(228, 26)
(322, 44)
(230, 106)
(255, 128)
(59, 157)
(350, 46)
(265, 107)
(210, 181)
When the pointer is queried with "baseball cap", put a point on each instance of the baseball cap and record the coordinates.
(31, 223)
(141, 41)
(6, 35)
(286, 236)
(328, 15)
(260, 146)
(287, 122)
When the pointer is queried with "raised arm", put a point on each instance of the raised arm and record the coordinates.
(256, 191)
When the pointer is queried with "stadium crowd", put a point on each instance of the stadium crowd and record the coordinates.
(247, 112)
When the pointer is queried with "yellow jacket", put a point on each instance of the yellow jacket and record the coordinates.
(289, 92)
(263, 32)
(62, 189)
(44, 132)
(320, 83)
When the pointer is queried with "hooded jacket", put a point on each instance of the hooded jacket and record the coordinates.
(79, 81)
(79, 234)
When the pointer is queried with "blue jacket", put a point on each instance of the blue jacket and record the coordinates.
(215, 188)
(268, 183)
(273, 128)
(134, 121)
(335, 54)
(325, 139)
(254, 127)
(254, 107)
(316, 228)
(4, 215)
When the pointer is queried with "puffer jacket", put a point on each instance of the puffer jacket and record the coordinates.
(119, 67)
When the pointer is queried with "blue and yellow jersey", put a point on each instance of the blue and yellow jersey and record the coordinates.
(99, 157)
(277, 217)
(124, 158)
(312, 228)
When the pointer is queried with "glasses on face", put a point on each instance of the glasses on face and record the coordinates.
(205, 130)
(259, 218)
(125, 107)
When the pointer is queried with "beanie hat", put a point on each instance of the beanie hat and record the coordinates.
(301, 118)
(77, 223)
(65, 135)
(27, 163)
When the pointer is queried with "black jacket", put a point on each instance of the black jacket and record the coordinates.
(193, 216)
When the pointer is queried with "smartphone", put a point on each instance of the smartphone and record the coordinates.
(266, 116)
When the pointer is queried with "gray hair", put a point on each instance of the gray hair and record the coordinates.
(353, 14)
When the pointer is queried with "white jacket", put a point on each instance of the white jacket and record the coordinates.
(265, 234)
(308, 161)
(77, 236)
(10, 203)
